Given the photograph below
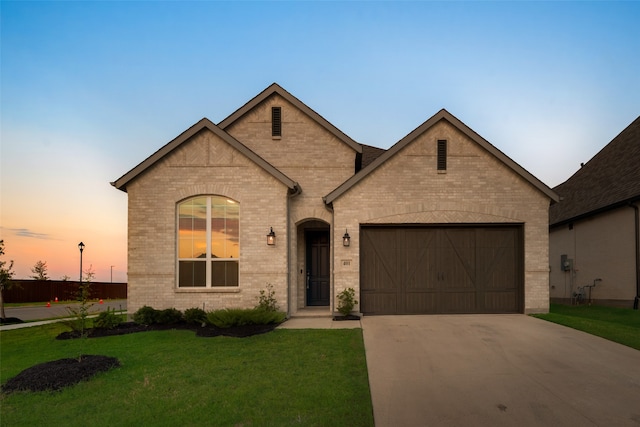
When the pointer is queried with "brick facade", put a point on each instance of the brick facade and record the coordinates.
(477, 188)
(204, 166)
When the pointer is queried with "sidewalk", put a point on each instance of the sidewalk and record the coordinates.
(58, 310)
(319, 323)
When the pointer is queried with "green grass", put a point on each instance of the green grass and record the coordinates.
(621, 325)
(168, 378)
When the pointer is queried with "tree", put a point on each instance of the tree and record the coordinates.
(6, 273)
(80, 314)
(40, 271)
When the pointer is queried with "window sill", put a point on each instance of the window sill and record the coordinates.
(276, 137)
(207, 290)
(442, 171)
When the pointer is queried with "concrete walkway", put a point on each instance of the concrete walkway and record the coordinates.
(497, 370)
(319, 323)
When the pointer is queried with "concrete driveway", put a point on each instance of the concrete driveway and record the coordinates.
(497, 370)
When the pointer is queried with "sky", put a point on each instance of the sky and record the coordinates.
(90, 89)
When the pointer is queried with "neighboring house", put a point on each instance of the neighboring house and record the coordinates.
(442, 222)
(593, 231)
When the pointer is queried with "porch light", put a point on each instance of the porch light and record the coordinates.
(271, 238)
(346, 239)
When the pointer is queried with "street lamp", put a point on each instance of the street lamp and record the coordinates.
(81, 247)
(112, 273)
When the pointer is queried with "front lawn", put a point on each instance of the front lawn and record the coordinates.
(281, 378)
(621, 325)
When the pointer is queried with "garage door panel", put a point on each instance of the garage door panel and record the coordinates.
(500, 302)
(420, 259)
(422, 269)
(420, 302)
(456, 259)
(378, 257)
(497, 260)
(456, 303)
(378, 302)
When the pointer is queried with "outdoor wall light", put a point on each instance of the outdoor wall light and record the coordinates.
(271, 238)
(346, 239)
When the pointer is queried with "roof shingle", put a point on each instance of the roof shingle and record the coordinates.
(611, 178)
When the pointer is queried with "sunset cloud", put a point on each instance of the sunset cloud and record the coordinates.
(25, 232)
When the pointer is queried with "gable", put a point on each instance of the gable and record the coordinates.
(306, 149)
(302, 138)
(476, 144)
(199, 152)
(274, 88)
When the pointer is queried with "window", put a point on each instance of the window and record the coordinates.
(442, 154)
(276, 121)
(208, 242)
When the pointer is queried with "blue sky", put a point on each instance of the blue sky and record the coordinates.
(90, 89)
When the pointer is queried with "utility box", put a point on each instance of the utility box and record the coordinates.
(566, 264)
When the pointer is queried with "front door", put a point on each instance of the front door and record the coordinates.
(317, 267)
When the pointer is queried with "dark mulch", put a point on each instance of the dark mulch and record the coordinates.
(201, 331)
(59, 374)
(10, 320)
(347, 317)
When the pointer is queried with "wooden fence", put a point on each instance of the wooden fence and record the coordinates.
(49, 290)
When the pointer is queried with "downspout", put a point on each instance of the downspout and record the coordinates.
(637, 227)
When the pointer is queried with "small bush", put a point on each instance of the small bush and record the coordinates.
(347, 301)
(107, 320)
(169, 316)
(267, 299)
(195, 315)
(145, 315)
(229, 317)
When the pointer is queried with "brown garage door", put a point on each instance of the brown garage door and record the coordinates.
(430, 270)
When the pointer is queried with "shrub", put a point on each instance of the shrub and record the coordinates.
(267, 300)
(145, 315)
(107, 320)
(229, 317)
(195, 315)
(169, 316)
(346, 301)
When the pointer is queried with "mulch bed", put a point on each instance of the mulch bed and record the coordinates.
(347, 317)
(10, 320)
(62, 373)
(201, 331)
(59, 374)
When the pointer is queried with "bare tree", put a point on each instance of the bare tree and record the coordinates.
(39, 271)
(6, 273)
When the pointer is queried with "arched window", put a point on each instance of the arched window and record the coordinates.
(208, 242)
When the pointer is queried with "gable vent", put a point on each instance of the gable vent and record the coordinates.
(276, 121)
(442, 154)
